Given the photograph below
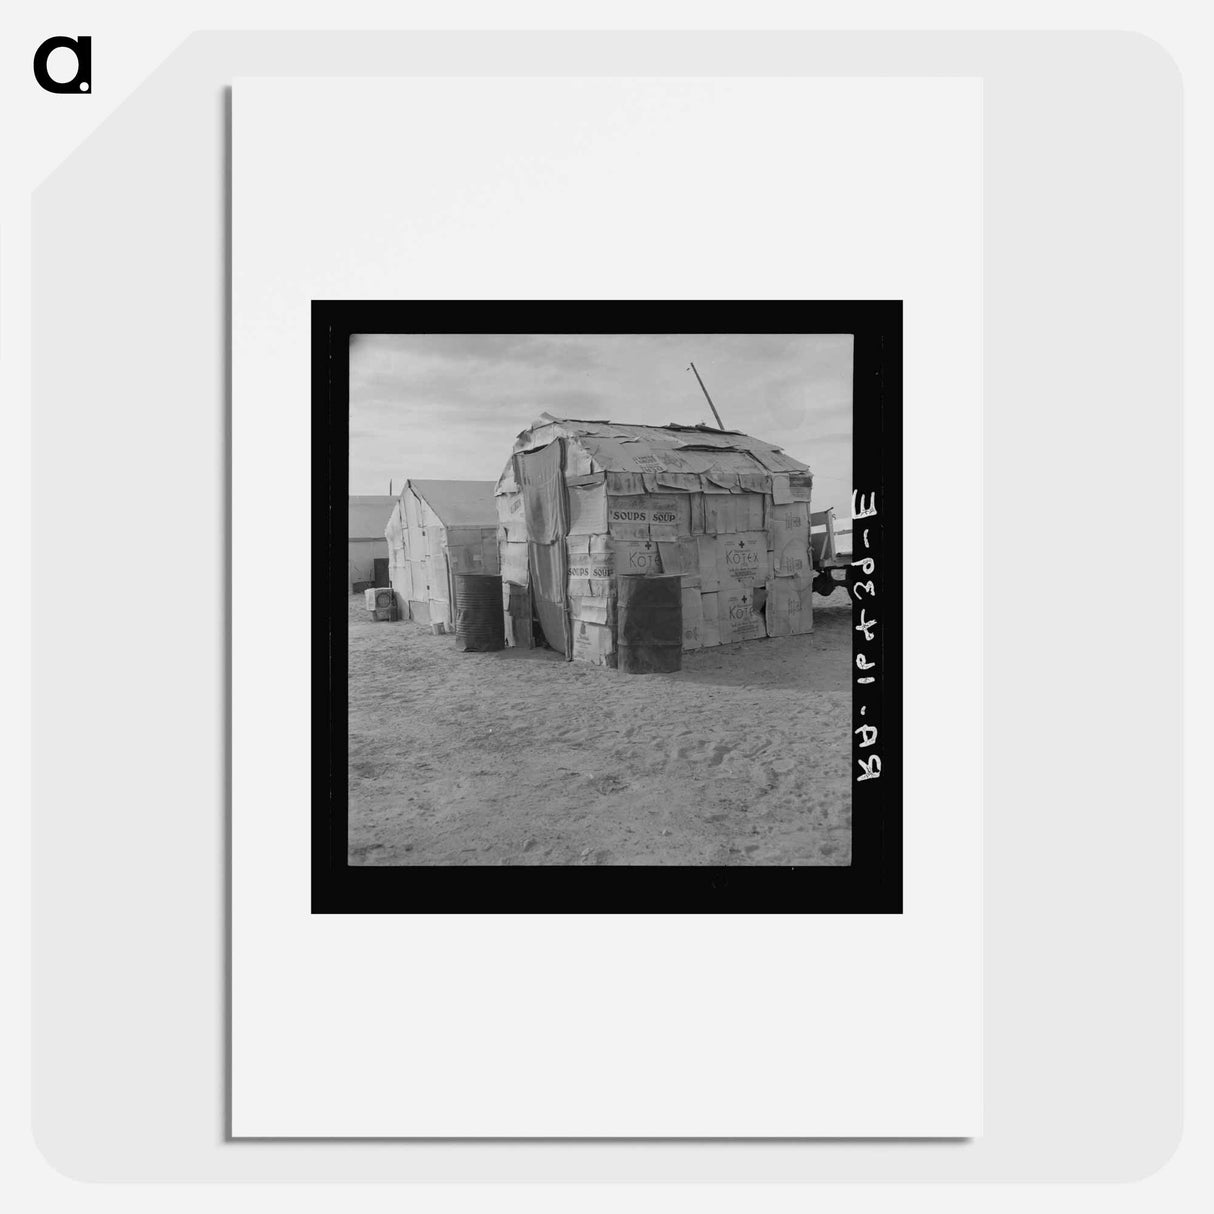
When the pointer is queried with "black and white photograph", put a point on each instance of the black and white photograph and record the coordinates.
(596, 462)
(600, 598)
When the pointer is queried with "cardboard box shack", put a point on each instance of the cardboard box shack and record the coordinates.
(581, 502)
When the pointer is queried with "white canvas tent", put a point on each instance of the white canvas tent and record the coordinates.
(366, 519)
(580, 502)
(436, 530)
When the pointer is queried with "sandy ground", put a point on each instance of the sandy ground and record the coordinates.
(742, 757)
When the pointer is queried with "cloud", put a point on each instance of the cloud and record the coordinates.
(450, 405)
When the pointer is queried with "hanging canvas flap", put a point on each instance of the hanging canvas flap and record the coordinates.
(543, 486)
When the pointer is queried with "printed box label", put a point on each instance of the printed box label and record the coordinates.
(739, 620)
(742, 558)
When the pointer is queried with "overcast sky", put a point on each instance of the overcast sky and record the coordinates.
(449, 406)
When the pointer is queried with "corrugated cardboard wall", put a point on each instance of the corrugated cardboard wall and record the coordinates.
(744, 562)
(741, 552)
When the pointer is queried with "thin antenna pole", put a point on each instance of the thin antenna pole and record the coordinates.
(720, 423)
(389, 488)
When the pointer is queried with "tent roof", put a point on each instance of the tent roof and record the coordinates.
(615, 446)
(367, 515)
(458, 503)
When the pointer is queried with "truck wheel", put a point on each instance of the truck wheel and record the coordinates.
(824, 584)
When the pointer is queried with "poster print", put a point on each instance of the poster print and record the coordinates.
(620, 596)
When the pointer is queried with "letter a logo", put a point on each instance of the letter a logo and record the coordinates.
(82, 81)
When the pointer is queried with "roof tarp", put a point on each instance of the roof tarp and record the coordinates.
(622, 447)
(614, 456)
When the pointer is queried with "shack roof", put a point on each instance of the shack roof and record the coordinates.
(458, 503)
(624, 447)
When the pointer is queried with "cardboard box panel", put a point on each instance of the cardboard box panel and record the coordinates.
(800, 485)
(578, 460)
(709, 576)
(686, 482)
(671, 517)
(516, 610)
(628, 517)
(790, 539)
(710, 629)
(777, 461)
(625, 484)
(680, 556)
(588, 509)
(510, 517)
(514, 563)
(789, 608)
(592, 609)
(739, 621)
(637, 556)
(742, 559)
(692, 619)
(593, 643)
(592, 566)
(649, 516)
(695, 504)
(737, 512)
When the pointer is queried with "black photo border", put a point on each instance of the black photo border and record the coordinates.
(872, 883)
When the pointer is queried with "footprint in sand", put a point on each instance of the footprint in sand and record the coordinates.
(771, 776)
(695, 753)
